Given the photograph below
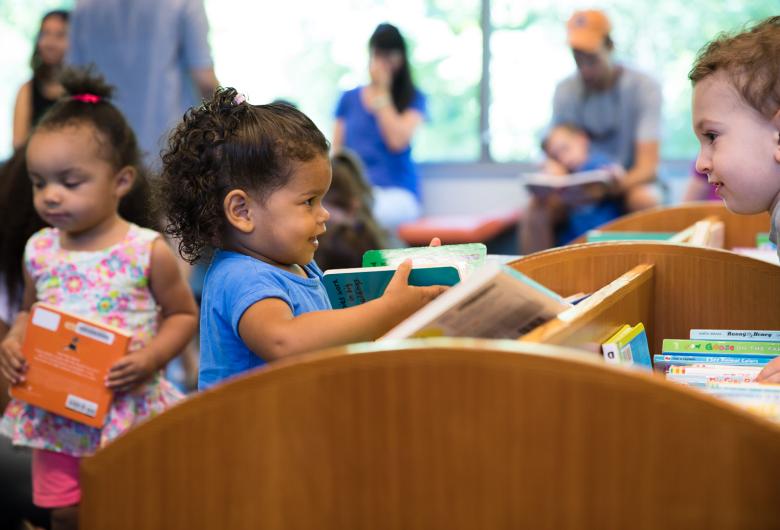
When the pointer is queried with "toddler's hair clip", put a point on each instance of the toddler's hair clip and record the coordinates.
(239, 99)
(86, 98)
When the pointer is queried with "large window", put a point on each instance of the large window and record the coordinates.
(307, 52)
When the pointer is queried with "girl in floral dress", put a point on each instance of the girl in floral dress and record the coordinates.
(82, 159)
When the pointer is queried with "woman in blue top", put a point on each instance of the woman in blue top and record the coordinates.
(378, 120)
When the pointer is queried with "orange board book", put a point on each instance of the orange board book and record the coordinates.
(68, 358)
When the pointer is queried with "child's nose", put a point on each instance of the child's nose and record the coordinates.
(325, 214)
(703, 164)
(51, 195)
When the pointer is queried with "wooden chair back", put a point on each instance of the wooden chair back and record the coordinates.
(691, 287)
(438, 434)
(740, 230)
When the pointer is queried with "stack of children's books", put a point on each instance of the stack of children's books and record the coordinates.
(725, 363)
(486, 300)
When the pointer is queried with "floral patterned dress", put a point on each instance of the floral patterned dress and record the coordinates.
(110, 286)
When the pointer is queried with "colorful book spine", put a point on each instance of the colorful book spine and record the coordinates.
(611, 349)
(701, 376)
(720, 347)
(662, 362)
(739, 335)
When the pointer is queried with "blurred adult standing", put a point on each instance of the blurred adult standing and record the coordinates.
(155, 52)
(377, 121)
(40, 92)
(617, 106)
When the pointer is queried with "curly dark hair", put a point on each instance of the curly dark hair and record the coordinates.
(222, 145)
(118, 143)
(750, 59)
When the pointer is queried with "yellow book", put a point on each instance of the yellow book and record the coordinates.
(610, 348)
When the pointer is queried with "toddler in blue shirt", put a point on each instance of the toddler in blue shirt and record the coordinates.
(247, 182)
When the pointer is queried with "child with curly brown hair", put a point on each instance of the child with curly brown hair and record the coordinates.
(247, 182)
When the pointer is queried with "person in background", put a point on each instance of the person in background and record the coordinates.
(378, 122)
(555, 219)
(155, 52)
(83, 160)
(352, 229)
(40, 92)
(246, 183)
(619, 110)
(618, 107)
(736, 118)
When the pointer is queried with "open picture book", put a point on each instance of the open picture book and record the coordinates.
(573, 188)
(494, 302)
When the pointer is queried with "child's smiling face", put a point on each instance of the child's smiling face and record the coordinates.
(289, 220)
(740, 151)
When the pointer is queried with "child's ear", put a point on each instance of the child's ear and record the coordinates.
(237, 212)
(776, 125)
(125, 178)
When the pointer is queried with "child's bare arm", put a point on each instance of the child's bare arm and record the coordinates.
(269, 328)
(12, 363)
(178, 322)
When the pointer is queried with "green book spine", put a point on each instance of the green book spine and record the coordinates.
(721, 347)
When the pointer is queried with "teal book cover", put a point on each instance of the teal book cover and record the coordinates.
(597, 236)
(351, 287)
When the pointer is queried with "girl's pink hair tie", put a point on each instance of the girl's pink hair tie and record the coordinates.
(86, 98)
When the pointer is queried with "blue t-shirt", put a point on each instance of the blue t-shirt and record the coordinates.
(233, 283)
(385, 168)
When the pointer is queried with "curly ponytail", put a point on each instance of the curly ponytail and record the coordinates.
(224, 144)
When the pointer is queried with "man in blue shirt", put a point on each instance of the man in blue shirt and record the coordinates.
(156, 54)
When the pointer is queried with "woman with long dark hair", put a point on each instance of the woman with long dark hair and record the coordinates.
(377, 121)
(40, 92)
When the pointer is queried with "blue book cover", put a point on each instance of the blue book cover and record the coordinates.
(351, 287)
(662, 362)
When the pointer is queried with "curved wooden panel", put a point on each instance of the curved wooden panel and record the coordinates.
(694, 287)
(591, 322)
(740, 230)
(438, 434)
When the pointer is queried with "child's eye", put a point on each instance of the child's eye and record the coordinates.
(72, 184)
(38, 184)
(710, 136)
(309, 202)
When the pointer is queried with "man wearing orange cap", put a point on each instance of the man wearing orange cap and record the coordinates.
(619, 108)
